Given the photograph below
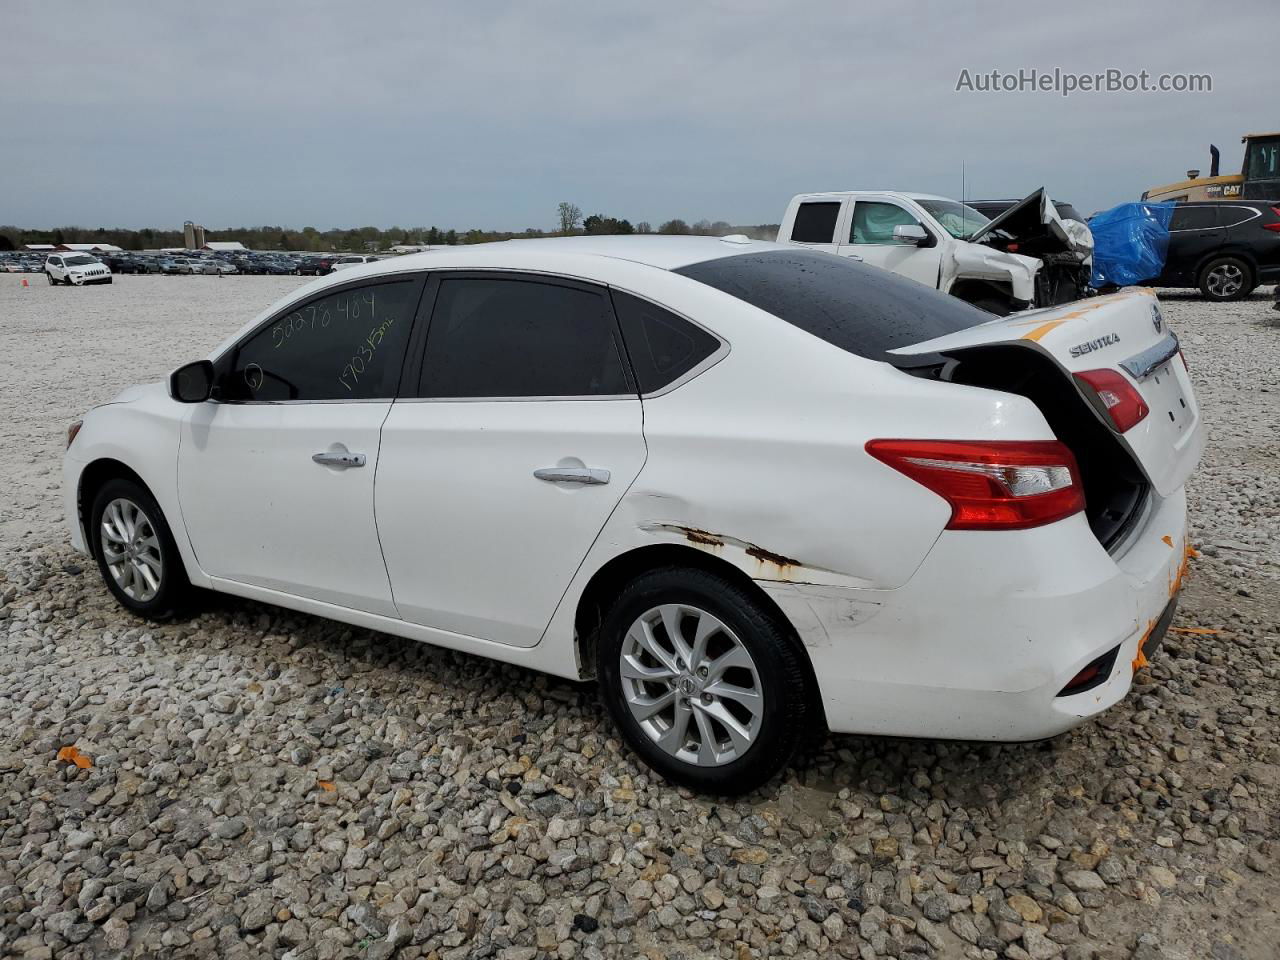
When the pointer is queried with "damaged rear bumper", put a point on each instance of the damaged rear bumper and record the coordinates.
(982, 641)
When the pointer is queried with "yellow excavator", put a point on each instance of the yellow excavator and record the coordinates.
(1258, 179)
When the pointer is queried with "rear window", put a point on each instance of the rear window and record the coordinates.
(860, 309)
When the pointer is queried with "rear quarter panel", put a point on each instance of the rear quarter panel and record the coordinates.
(761, 459)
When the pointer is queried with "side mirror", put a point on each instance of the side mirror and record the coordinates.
(910, 233)
(192, 383)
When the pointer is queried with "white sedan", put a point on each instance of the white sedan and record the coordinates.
(749, 488)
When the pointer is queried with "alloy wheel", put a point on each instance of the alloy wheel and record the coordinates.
(131, 550)
(691, 685)
(1225, 280)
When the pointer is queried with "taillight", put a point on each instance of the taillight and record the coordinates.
(991, 485)
(72, 430)
(1116, 396)
(1273, 227)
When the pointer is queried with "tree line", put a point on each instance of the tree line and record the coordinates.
(570, 221)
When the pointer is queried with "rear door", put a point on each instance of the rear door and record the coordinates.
(869, 238)
(1194, 233)
(1124, 333)
(817, 222)
(517, 434)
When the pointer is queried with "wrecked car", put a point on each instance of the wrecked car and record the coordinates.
(750, 489)
(1028, 256)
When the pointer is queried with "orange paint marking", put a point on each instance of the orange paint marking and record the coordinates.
(326, 785)
(1168, 541)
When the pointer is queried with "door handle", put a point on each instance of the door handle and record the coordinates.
(853, 256)
(336, 458)
(592, 475)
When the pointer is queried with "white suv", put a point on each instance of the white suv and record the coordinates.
(76, 268)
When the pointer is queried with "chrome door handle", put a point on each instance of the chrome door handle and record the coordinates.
(853, 256)
(572, 475)
(335, 458)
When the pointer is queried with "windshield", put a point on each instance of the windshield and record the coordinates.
(79, 261)
(860, 309)
(958, 219)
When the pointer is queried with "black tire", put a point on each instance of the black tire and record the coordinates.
(49, 276)
(1216, 275)
(173, 592)
(788, 712)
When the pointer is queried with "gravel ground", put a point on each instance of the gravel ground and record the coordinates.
(260, 783)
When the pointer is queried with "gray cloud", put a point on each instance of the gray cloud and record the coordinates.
(487, 114)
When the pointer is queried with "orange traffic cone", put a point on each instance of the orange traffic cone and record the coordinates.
(24, 282)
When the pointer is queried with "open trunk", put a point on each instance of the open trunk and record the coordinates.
(1086, 367)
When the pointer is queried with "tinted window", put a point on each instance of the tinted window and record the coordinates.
(1230, 216)
(520, 338)
(816, 222)
(861, 309)
(662, 346)
(1193, 218)
(347, 345)
(873, 222)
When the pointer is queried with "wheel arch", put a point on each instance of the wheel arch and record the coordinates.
(611, 578)
(1239, 253)
(92, 478)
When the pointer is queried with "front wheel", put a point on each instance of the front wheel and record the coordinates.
(136, 552)
(705, 683)
(1226, 278)
(49, 277)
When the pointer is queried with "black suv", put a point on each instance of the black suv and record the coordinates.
(1224, 247)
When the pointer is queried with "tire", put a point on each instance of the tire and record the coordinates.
(49, 277)
(775, 668)
(1224, 279)
(133, 511)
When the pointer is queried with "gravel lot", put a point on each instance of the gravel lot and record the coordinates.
(263, 783)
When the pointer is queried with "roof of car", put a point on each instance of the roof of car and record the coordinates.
(656, 250)
(908, 194)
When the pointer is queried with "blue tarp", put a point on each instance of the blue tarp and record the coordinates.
(1130, 242)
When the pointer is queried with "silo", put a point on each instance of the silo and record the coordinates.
(199, 237)
(189, 235)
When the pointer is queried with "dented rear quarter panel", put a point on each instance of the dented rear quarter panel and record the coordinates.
(761, 462)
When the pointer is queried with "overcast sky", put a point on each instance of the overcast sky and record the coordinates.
(486, 114)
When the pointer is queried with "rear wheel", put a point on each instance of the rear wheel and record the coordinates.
(135, 550)
(704, 683)
(1226, 278)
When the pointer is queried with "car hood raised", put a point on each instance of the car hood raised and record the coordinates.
(1036, 226)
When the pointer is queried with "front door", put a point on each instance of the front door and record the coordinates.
(871, 239)
(276, 475)
(522, 433)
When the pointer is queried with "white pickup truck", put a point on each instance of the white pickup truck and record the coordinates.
(1026, 257)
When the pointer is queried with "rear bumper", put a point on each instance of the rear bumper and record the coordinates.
(981, 641)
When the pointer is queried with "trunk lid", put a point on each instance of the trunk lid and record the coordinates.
(1123, 332)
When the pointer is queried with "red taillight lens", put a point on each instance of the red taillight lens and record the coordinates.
(1118, 397)
(991, 485)
(73, 429)
(1273, 227)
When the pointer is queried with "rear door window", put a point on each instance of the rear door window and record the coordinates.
(502, 338)
(662, 346)
(1194, 218)
(860, 309)
(816, 222)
